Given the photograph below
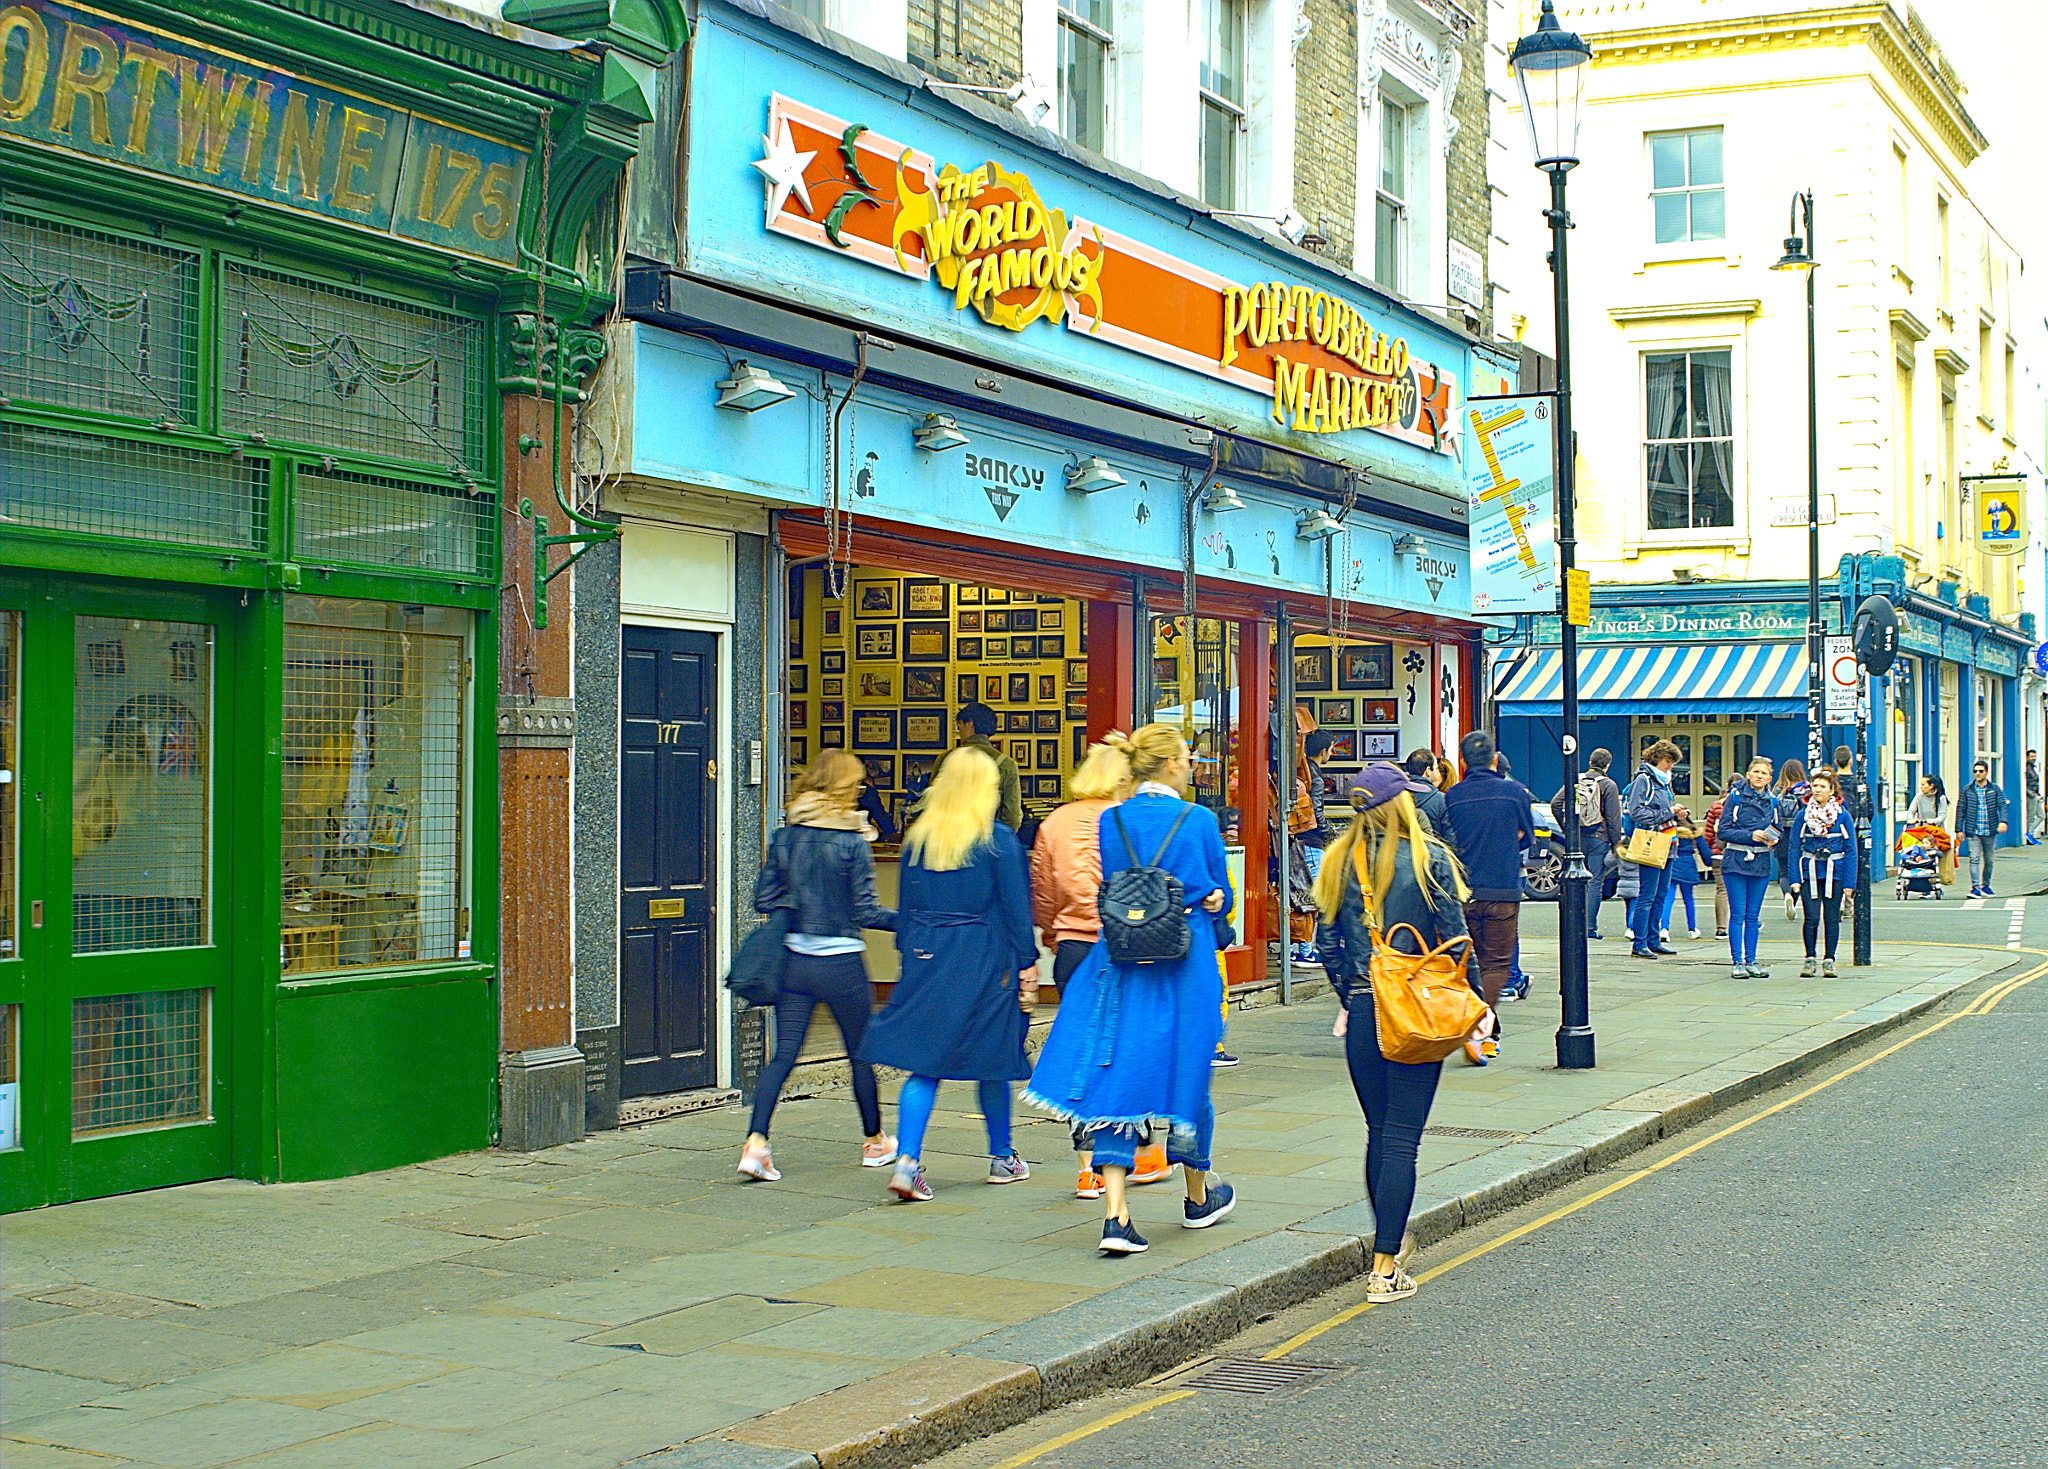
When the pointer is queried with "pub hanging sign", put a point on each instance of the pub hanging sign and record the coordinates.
(988, 239)
(82, 82)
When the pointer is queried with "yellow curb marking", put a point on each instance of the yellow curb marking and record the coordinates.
(1983, 1004)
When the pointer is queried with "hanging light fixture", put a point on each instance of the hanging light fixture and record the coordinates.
(751, 389)
(1092, 474)
(1317, 524)
(1218, 499)
(938, 433)
(1408, 545)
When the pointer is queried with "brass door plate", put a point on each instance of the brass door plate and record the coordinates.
(668, 908)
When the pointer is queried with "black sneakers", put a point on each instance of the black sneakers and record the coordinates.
(1119, 1238)
(1220, 1201)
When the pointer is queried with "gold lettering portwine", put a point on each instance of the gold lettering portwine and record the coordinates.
(992, 242)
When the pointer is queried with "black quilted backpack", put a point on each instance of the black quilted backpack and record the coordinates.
(1144, 907)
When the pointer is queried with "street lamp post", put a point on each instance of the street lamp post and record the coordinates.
(1799, 256)
(1551, 65)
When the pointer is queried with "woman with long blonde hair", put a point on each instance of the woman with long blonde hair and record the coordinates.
(819, 866)
(1413, 880)
(1133, 1042)
(970, 967)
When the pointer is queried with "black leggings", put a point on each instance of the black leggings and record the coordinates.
(841, 982)
(1820, 909)
(1395, 1097)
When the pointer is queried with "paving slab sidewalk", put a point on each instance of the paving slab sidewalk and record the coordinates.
(627, 1298)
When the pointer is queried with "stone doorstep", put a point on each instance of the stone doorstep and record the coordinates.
(1134, 1332)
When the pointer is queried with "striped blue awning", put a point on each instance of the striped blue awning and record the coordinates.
(1659, 678)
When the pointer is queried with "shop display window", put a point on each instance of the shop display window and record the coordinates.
(375, 754)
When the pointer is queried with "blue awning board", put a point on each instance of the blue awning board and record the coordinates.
(1661, 678)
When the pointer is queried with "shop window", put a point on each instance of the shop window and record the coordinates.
(371, 521)
(1685, 186)
(1990, 741)
(141, 785)
(1086, 46)
(10, 1077)
(1689, 440)
(92, 321)
(1194, 688)
(60, 480)
(345, 370)
(1220, 82)
(375, 741)
(1907, 712)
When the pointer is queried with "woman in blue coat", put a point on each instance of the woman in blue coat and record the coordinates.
(960, 1006)
(1748, 833)
(1823, 866)
(1133, 1042)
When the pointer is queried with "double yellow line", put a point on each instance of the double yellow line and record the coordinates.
(1982, 1005)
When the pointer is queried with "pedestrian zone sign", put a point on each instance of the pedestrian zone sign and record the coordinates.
(1842, 681)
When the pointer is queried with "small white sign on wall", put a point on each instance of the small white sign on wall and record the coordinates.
(1790, 510)
(1465, 275)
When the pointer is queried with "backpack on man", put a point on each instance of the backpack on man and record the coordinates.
(1589, 799)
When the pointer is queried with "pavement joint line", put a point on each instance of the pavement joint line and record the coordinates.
(1350, 1313)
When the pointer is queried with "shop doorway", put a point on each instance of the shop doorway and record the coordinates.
(1711, 752)
(116, 834)
(668, 846)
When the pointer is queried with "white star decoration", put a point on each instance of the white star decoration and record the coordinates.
(784, 169)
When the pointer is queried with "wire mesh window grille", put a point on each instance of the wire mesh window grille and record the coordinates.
(141, 784)
(374, 757)
(341, 516)
(340, 369)
(10, 764)
(140, 1061)
(91, 321)
(10, 1077)
(59, 480)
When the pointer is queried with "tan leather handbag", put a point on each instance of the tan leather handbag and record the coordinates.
(1422, 1008)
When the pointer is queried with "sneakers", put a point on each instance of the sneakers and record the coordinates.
(1740, 971)
(1220, 1201)
(1806, 970)
(1121, 1238)
(1513, 992)
(1151, 1166)
(1720, 933)
(1088, 1185)
(1693, 933)
(1663, 935)
(908, 1183)
(1490, 1048)
(1990, 891)
(1791, 906)
(1757, 971)
(878, 1155)
(1382, 1290)
(1012, 1169)
(758, 1163)
(1475, 1053)
(1976, 892)
(1827, 969)
(1222, 1058)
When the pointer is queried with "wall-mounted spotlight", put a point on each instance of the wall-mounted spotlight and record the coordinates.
(938, 433)
(1317, 524)
(1290, 226)
(1409, 545)
(1026, 97)
(1219, 498)
(1092, 474)
(750, 389)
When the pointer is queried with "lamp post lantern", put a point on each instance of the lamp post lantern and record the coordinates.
(1799, 256)
(1551, 66)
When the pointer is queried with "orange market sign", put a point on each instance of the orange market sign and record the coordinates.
(985, 235)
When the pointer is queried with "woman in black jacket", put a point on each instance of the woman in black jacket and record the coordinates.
(819, 866)
(1415, 881)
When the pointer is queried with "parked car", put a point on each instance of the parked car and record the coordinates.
(1543, 863)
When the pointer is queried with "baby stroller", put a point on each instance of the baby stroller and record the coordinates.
(1919, 850)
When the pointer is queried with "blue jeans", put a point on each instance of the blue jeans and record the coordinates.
(914, 1115)
(1117, 1146)
(1745, 914)
(1395, 1097)
(1648, 908)
(1671, 896)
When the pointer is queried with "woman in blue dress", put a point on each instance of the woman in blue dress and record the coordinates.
(1133, 1042)
(962, 1000)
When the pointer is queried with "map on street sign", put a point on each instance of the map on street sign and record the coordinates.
(1510, 489)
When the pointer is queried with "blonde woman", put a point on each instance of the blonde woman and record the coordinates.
(1415, 880)
(1133, 1042)
(970, 967)
(819, 865)
(1066, 874)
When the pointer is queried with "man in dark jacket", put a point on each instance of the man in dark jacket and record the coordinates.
(1421, 768)
(1597, 797)
(1980, 822)
(974, 724)
(1490, 814)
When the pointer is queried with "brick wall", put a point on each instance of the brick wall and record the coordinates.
(1326, 125)
(1471, 201)
(978, 41)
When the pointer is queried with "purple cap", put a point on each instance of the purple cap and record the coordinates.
(1379, 783)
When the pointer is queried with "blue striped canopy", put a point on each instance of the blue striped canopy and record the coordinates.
(1658, 678)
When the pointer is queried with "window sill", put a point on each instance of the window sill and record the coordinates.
(1658, 541)
(1899, 275)
(397, 976)
(1697, 252)
(1986, 421)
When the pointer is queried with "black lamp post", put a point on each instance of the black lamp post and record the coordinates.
(1799, 256)
(1551, 65)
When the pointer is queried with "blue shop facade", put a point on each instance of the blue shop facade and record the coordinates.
(925, 407)
(1720, 670)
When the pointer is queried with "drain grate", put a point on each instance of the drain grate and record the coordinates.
(1498, 1133)
(1252, 1378)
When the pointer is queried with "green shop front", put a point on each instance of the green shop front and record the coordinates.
(252, 277)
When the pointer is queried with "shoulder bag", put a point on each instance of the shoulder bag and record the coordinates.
(1422, 1008)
